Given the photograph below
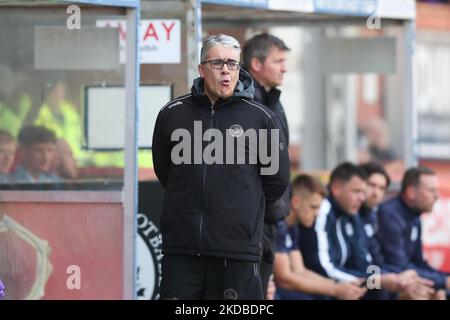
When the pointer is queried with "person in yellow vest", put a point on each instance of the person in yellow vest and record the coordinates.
(61, 116)
(12, 117)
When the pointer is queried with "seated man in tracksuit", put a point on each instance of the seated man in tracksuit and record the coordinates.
(341, 252)
(410, 285)
(293, 280)
(400, 226)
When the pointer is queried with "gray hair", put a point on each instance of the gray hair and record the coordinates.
(219, 39)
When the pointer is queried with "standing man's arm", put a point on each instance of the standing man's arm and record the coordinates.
(160, 149)
(275, 173)
(279, 210)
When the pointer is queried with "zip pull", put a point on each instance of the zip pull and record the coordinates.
(212, 111)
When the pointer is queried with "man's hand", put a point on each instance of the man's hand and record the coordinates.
(409, 274)
(271, 288)
(391, 282)
(408, 277)
(439, 295)
(349, 290)
(417, 291)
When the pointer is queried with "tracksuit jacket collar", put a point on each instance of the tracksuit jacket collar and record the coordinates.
(337, 208)
(408, 211)
(366, 212)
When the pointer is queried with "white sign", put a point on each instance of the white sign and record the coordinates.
(159, 40)
(292, 5)
(105, 115)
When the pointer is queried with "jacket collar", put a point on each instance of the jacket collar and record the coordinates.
(365, 211)
(337, 208)
(408, 211)
(244, 89)
(268, 98)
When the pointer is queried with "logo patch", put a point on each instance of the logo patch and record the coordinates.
(236, 130)
(289, 241)
(230, 294)
(414, 233)
(368, 228)
(349, 229)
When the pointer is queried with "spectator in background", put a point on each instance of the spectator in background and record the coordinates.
(407, 282)
(293, 280)
(400, 226)
(377, 134)
(342, 253)
(264, 58)
(37, 149)
(64, 163)
(339, 254)
(7, 154)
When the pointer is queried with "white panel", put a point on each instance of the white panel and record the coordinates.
(359, 55)
(398, 9)
(105, 115)
(89, 48)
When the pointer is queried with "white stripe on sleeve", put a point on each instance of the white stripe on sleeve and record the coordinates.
(322, 239)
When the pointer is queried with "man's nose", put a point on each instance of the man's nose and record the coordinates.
(225, 69)
(362, 196)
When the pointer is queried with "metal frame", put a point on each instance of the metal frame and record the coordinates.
(130, 190)
(62, 196)
(307, 12)
(131, 170)
(129, 195)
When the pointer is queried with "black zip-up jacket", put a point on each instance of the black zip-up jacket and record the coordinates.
(271, 99)
(215, 209)
(280, 208)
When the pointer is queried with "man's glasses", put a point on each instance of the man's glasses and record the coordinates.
(218, 64)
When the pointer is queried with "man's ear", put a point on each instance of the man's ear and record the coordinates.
(295, 201)
(256, 64)
(410, 193)
(335, 188)
(200, 71)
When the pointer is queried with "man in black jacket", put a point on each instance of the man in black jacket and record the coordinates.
(264, 57)
(221, 159)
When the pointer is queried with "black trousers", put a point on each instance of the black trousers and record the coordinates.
(268, 254)
(193, 277)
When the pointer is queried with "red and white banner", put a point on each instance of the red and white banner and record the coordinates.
(436, 234)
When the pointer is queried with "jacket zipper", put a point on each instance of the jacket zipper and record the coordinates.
(203, 188)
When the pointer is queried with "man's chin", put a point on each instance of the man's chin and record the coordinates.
(225, 95)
